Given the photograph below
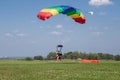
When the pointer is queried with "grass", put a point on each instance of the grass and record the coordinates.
(64, 70)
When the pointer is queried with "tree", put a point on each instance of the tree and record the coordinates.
(51, 56)
(100, 55)
(83, 55)
(28, 59)
(75, 55)
(117, 57)
(71, 55)
(68, 55)
(38, 58)
(108, 56)
(92, 56)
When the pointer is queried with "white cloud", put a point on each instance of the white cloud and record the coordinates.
(33, 42)
(106, 28)
(56, 33)
(102, 13)
(98, 33)
(41, 27)
(9, 34)
(100, 2)
(21, 35)
(59, 26)
(15, 33)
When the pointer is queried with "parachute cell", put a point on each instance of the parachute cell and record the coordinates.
(74, 13)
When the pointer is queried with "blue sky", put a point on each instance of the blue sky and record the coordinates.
(23, 34)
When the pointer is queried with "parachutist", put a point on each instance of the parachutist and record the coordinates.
(59, 52)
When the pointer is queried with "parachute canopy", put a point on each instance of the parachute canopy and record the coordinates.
(74, 13)
(59, 45)
(90, 61)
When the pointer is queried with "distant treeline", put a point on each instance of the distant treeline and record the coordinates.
(74, 55)
(80, 55)
(84, 55)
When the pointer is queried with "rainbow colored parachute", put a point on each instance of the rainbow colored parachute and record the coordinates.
(74, 13)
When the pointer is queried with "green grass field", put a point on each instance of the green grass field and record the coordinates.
(64, 70)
